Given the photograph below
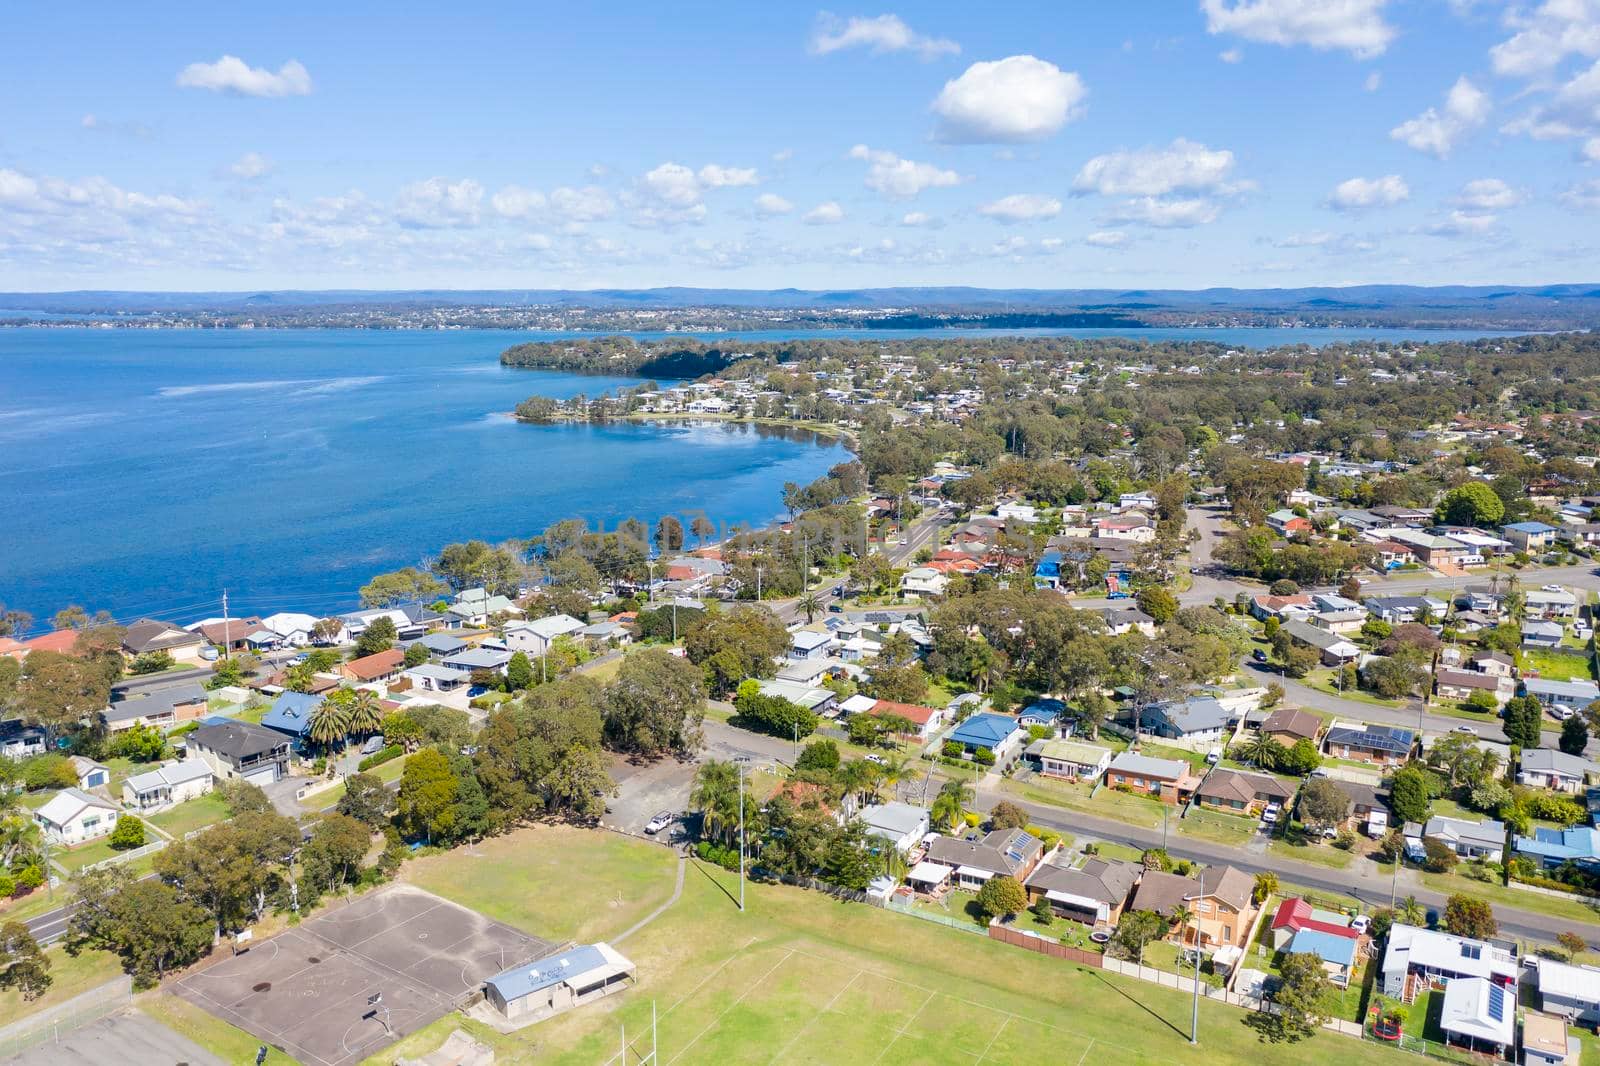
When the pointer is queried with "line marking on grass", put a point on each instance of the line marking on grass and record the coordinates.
(713, 1023)
(1004, 1022)
(719, 968)
(1084, 1057)
(825, 1008)
(904, 1027)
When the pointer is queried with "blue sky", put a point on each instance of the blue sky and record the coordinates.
(1188, 143)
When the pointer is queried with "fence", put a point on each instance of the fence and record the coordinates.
(966, 925)
(48, 1026)
(1044, 946)
(127, 856)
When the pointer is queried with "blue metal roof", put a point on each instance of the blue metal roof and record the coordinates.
(1045, 710)
(984, 730)
(1339, 950)
(530, 977)
(291, 713)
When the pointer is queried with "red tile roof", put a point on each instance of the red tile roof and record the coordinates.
(379, 664)
(1294, 914)
(61, 640)
(909, 711)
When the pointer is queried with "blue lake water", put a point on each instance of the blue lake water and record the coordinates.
(144, 471)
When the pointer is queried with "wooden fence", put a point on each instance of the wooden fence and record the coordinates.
(1044, 946)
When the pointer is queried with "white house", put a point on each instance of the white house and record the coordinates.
(536, 636)
(1434, 956)
(1549, 768)
(290, 628)
(901, 824)
(73, 816)
(924, 581)
(1573, 992)
(1070, 759)
(90, 773)
(168, 784)
(1484, 839)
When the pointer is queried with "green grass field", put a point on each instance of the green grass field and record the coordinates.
(70, 976)
(1216, 826)
(1123, 806)
(802, 978)
(190, 815)
(1557, 665)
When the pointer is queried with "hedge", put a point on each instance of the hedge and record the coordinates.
(381, 756)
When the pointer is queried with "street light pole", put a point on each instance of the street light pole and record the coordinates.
(740, 764)
(1194, 1018)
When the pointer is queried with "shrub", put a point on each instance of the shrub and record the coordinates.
(381, 756)
(952, 749)
(983, 757)
(48, 771)
(129, 833)
(725, 857)
(30, 879)
(8, 886)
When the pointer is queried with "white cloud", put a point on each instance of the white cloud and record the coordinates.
(1359, 194)
(713, 176)
(1182, 166)
(824, 214)
(1436, 132)
(1232, 55)
(1107, 238)
(1021, 207)
(1165, 213)
(439, 203)
(590, 203)
(1354, 26)
(1585, 195)
(250, 166)
(1374, 82)
(1020, 98)
(673, 192)
(514, 201)
(772, 204)
(901, 179)
(48, 195)
(1573, 110)
(1313, 239)
(1546, 36)
(886, 33)
(673, 184)
(1488, 194)
(230, 74)
(1591, 150)
(919, 218)
(1462, 224)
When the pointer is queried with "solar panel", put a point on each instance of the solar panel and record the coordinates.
(1497, 1003)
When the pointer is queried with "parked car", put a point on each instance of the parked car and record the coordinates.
(1270, 815)
(1213, 756)
(372, 745)
(1259, 655)
(209, 654)
(834, 608)
(1467, 729)
(659, 822)
(879, 759)
(1361, 923)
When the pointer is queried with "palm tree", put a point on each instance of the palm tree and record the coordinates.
(859, 777)
(366, 712)
(893, 770)
(1258, 749)
(716, 796)
(810, 604)
(950, 805)
(1410, 911)
(330, 722)
(1266, 885)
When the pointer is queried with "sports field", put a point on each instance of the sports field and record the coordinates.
(801, 978)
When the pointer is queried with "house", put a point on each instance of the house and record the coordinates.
(1529, 536)
(806, 644)
(1440, 553)
(1480, 1015)
(1219, 902)
(18, 741)
(1484, 839)
(1461, 684)
(1386, 745)
(1428, 955)
(1286, 523)
(1391, 555)
(433, 677)
(1010, 852)
(167, 784)
(1170, 780)
(1570, 992)
(546, 987)
(536, 636)
(1549, 603)
(1197, 719)
(1369, 806)
(1239, 792)
(1094, 894)
(1338, 953)
(1549, 768)
(73, 816)
(1045, 712)
(372, 669)
(1069, 759)
(163, 707)
(1561, 698)
(147, 636)
(1493, 663)
(291, 713)
(998, 733)
(927, 720)
(1542, 634)
(470, 659)
(901, 824)
(1553, 848)
(814, 699)
(285, 629)
(476, 607)
(610, 633)
(90, 773)
(241, 751)
(230, 634)
(1120, 620)
(1398, 610)
(441, 645)
(1295, 915)
(924, 581)
(1545, 1041)
(1287, 725)
(1334, 649)
(1280, 607)
(1047, 573)
(1359, 521)
(1132, 527)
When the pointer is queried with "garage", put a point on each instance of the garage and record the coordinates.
(263, 777)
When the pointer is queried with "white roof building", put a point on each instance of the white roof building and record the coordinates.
(1479, 1012)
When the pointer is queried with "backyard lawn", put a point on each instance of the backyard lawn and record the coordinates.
(1123, 806)
(1216, 826)
(100, 850)
(191, 815)
(1557, 666)
(801, 977)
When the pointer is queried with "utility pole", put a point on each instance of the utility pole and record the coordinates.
(758, 584)
(650, 587)
(740, 763)
(1194, 1018)
(227, 630)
